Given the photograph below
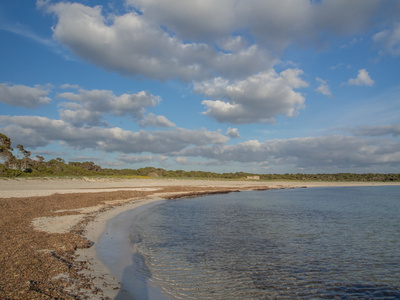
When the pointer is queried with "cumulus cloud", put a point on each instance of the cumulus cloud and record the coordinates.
(330, 152)
(88, 106)
(389, 40)
(233, 44)
(156, 121)
(323, 88)
(227, 46)
(106, 101)
(69, 86)
(181, 160)
(334, 152)
(186, 18)
(281, 23)
(393, 130)
(361, 79)
(233, 132)
(273, 23)
(32, 131)
(81, 117)
(133, 45)
(174, 41)
(26, 96)
(257, 99)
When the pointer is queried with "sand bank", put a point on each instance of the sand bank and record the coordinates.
(44, 187)
(49, 228)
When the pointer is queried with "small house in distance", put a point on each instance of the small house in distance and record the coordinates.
(253, 177)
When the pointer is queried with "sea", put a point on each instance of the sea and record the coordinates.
(305, 243)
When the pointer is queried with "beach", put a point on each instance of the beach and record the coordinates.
(49, 228)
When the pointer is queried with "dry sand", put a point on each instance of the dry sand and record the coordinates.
(49, 228)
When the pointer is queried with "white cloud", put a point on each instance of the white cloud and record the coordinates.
(176, 40)
(393, 130)
(308, 23)
(187, 18)
(105, 101)
(69, 86)
(233, 44)
(361, 79)
(233, 132)
(181, 160)
(351, 43)
(173, 40)
(133, 45)
(156, 121)
(321, 153)
(32, 131)
(26, 96)
(257, 99)
(273, 23)
(333, 153)
(92, 104)
(225, 46)
(323, 88)
(81, 117)
(389, 40)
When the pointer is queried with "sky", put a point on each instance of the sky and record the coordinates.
(288, 86)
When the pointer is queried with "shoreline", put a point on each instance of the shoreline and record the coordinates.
(67, 217)
(114, 255)
(102, 275)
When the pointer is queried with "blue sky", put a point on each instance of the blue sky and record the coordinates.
(290, 86)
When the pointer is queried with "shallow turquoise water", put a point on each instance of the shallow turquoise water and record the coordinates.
(286, 244)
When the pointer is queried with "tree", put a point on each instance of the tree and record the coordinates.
(10, 161)
(24, 163)
(87, 165)
(6, 151)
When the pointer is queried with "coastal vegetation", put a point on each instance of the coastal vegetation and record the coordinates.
(22, 164)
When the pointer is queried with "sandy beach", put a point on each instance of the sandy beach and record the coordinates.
(49, 228)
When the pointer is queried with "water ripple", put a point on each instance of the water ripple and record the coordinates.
(339, 243)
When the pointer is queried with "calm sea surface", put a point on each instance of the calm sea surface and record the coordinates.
(339, 243)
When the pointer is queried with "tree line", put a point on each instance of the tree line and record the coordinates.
(23, 165)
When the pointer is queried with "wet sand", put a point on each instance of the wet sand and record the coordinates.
(49, 228)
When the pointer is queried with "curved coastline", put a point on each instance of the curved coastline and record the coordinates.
(59, 212)
(110, 252)
(117, 226)
(114, 251)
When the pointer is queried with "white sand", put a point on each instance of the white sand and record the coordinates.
(103, 278)
(41, 187)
